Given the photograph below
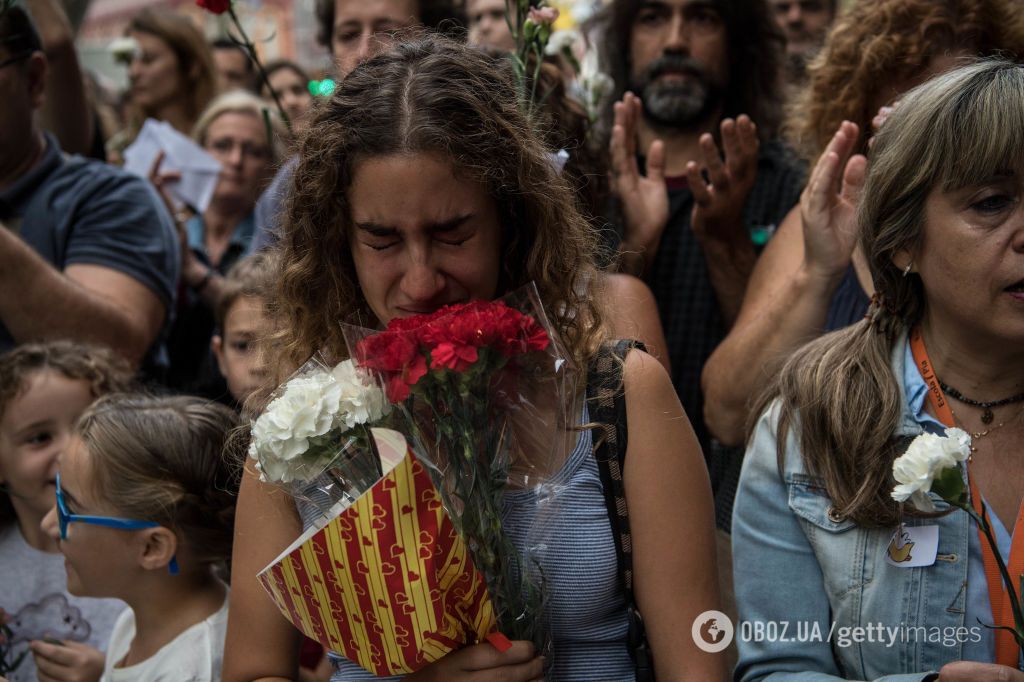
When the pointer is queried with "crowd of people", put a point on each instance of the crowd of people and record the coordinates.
(804, 217)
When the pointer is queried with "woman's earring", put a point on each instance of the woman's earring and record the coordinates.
(906, 270)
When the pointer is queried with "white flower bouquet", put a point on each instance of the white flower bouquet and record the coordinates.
(313, 437)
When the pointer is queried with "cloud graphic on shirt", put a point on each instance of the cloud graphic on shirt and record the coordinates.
(53, 617)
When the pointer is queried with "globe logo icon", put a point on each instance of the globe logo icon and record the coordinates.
(712, 631)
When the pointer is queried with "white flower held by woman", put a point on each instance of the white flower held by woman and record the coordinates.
(298, 436)
(928, 456)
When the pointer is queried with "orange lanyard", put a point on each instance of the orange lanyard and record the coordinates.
(1007, 652)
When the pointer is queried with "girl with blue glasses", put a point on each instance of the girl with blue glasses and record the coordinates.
(144, 513)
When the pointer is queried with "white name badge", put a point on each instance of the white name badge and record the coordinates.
(913, 546)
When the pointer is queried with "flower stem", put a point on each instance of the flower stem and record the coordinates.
(1018, 616)
(251, 49)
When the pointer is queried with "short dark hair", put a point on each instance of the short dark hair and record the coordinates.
(272, 67)
(252, 277)
(18, 32)
(439, 15)
(755, 46)
(229, 44)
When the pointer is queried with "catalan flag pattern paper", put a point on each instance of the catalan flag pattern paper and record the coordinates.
(388, 583)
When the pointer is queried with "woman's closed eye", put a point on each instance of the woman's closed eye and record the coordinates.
(380, 245)
(452, 240)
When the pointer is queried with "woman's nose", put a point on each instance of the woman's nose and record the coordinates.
(422, 281)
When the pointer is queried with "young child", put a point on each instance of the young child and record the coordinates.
(243, 323)
(145, 512)
(43, 390)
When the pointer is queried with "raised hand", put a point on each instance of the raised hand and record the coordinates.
(644, 198)
(718, 201)
(828, 205)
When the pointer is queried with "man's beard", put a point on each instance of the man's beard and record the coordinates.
(682, 103)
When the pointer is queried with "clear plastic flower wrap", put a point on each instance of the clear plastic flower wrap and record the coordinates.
(487, 398)
(313, 439)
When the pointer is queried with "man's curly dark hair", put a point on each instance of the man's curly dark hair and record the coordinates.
(755, 47)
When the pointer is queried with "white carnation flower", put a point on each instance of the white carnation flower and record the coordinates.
(311, 406)
(928, 455)
(362, 401)
(560, 40)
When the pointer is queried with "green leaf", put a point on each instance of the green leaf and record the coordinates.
(949, 485)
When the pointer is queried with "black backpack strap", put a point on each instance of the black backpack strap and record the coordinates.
(607, 407)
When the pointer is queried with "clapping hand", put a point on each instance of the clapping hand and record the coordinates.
(644, 198)
(828, 205)
(718, 201)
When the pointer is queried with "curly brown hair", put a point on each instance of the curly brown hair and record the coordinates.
(878, 43)
(429, 95)
(105, 371)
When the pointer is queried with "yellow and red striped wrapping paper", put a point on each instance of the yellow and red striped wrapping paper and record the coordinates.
(388, 583)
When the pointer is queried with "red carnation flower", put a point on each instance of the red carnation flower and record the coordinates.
(215, 6)
(456, 357)
(387, 352)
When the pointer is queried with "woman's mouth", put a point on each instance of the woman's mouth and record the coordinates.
(1017, 288)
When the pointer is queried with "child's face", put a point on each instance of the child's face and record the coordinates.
(97, 559)
(238, 350)
(34, 429)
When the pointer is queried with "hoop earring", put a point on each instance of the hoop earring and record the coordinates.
(906, 270)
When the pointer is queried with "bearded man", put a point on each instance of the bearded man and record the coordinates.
(694, 77)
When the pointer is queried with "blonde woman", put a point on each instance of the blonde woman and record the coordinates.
(234, 130)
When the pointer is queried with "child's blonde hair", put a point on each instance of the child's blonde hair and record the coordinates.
(104, 370)
(172, 460)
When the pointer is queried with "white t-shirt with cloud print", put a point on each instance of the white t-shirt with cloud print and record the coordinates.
(33, 592)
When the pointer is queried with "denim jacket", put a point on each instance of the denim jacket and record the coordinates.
(796, 561)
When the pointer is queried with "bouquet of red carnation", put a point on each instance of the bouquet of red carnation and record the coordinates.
(482, 385)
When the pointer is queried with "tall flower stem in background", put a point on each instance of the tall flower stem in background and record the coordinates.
(251, 49)
(221, 6)
(531, 30)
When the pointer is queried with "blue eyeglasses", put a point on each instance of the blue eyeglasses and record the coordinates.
(64, 518)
